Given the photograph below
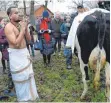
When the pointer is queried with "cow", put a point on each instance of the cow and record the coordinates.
(93, 32)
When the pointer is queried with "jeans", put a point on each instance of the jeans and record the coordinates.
(69, 59)
(64, 41)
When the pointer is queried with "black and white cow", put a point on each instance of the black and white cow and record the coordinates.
(93, 31)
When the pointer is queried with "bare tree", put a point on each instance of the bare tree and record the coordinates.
(24, 7)
(89, 4)
(32, 18)
(16, 2)
(75, 3)
(46, 3)
(32, 7)
(5, 4)
(78, 2)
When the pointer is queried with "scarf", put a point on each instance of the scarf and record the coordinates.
(44, 26)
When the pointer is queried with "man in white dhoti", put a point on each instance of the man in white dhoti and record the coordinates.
(20, 63)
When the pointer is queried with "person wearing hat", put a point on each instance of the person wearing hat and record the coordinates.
(45, 36)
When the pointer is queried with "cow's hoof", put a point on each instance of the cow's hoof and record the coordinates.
(87, 81)
(82, 97)
(87, 78)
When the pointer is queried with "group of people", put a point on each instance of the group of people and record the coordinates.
(52, 32)
(15, 38)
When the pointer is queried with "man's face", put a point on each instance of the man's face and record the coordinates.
(80, 10)
(67, 20)
(15, 15)
(57, 16)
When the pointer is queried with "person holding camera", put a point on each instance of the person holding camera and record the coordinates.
(64, 29)
(20, 62)
(45, 36)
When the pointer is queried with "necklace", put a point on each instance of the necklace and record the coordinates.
(18, 26)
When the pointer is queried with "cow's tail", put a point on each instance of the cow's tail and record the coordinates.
(101, 36)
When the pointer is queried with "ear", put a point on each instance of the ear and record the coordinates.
(9, 15)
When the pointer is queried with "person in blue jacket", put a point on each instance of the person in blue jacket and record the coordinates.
(64, 29)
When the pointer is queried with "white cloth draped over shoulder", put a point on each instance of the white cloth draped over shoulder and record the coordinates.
(22, 74)
(72, 33)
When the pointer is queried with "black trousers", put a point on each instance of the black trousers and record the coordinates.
(46, 58)
(57, 41)
(10, 82)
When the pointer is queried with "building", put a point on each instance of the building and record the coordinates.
(38, 10)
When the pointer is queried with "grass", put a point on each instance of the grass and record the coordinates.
(57, 84)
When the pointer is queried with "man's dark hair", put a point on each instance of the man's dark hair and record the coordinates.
(9, 10)
(80, 7)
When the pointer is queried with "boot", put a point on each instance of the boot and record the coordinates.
(45, 65)
(69, 67)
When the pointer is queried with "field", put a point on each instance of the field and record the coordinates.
(57, 84)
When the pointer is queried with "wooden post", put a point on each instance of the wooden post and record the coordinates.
(24, 8)
(46, 2)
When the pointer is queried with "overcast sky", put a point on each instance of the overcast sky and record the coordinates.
(56, 6)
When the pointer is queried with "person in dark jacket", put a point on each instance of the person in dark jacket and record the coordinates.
(31, 44)
(5, 57)
(73, 16)
(45, 36)
(56, 24)
(3, 49)
(80, 9)
(65, 27)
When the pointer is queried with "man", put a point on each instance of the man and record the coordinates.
(80, 9)
(20, 63)
(56, 24)
(5, 57)
(3, 44)
(65, 27)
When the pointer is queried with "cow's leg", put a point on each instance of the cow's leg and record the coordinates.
(82, 66)
(107, 74)
(98, 68)
(85, 57)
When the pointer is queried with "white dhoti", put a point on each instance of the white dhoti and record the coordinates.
(22, 74)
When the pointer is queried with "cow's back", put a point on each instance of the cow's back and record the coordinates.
(88, 35)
